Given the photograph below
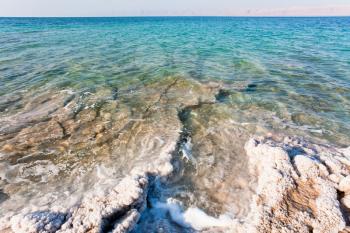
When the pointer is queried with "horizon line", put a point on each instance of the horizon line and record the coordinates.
(188, 16)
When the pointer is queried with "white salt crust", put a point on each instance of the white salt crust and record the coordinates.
(297, 184)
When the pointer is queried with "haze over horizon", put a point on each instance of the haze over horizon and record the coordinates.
(172, 8)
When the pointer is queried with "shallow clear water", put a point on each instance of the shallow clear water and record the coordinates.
(283, 75)
(298, 68)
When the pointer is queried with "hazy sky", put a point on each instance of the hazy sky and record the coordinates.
(172, 7)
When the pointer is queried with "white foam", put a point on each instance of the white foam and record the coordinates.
(193, 217)
(186, 150)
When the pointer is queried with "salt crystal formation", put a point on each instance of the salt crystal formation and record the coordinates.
(118, 211)
(302, 187)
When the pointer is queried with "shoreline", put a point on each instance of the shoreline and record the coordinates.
(270, 179)
(282, 169)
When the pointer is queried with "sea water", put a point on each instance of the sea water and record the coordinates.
(77, 94)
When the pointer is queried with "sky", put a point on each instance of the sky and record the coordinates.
(174, 7)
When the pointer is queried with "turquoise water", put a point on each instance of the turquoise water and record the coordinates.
(298, 68)
(85, 100)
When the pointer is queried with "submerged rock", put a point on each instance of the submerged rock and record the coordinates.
(220, 175)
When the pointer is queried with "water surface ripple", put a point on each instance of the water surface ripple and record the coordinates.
(85, 100)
